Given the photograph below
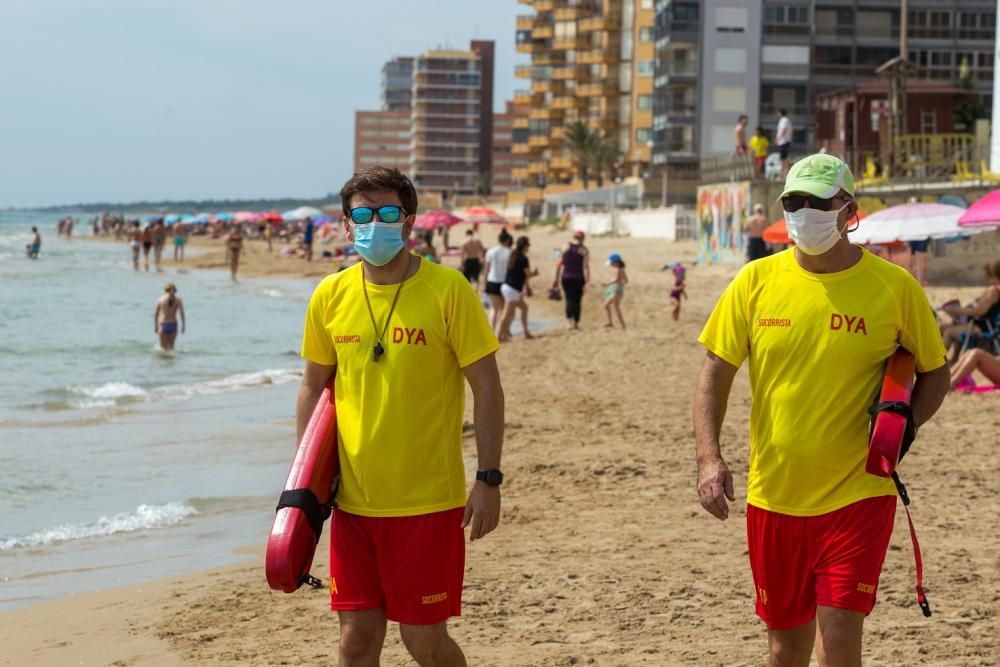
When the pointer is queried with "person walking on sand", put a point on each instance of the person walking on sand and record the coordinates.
(234, 245)
(678, 292)
(783, 138)
(614, 289)
(159, 240)
(515, 289)
(817, 333)
(740, 134)
(756, 224)
(473, 253)
(308, 235)
(385, 330)
(573, 274)
(35, 246)
(135, 236)
(168, 308)
(180, 240)
(147, 245)
(496, 272)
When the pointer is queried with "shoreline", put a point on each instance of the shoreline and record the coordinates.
(603, 553)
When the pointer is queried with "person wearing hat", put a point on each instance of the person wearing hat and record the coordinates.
(816, 323)
(573, 273)
(168, 307)
(756, 224)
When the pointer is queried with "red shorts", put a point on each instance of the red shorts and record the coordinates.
(410, 566)
(833, 559)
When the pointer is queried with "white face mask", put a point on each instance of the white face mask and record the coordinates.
(814, 231)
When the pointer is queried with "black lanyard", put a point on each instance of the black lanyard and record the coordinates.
(379, 349)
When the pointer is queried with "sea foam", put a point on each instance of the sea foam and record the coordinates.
(145, 517)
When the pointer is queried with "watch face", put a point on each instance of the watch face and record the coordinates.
(494, 477)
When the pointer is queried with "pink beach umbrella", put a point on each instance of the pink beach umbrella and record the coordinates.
(245, 216)
(482, 215)
(910, 222)
(435, 219)
(984, 214)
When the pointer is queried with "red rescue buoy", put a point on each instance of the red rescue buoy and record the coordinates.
(304, 504)
(889, 427)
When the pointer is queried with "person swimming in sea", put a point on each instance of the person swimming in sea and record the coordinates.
(168, 308)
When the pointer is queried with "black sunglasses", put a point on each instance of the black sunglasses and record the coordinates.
(361, 215)
(793, 203)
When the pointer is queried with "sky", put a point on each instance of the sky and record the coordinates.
(130, 100)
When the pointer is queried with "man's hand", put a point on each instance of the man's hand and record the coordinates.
(482, 510)
(715, 484)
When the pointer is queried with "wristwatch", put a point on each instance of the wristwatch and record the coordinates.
(492, 477)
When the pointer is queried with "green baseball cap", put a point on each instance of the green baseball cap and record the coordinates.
(821, 175)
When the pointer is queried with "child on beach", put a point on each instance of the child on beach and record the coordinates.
(678, 291)
(614, 289)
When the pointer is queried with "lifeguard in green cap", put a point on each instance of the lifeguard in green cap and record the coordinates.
(816, 324)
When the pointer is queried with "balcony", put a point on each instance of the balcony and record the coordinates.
(833, 70)
(536, 167)
(521, 123)
(786, 71)
(523, 71)
(530, 47)
(568, 13)
(519, 173)
(526, 97)
(597, 56)
(544, 5)
(794, 110)
(561, 163)
(595, 23)
(556, 134)
(542, 31)
(571, 43)
(520, 149)
(567, 72)
(542, 86)
(525, 21)
(568, 102)
(601, 88)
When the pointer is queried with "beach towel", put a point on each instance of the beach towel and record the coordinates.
(968, 386)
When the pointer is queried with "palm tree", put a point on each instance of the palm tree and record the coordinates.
(579, 140)
(604, 152)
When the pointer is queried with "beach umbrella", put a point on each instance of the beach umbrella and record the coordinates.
(200, 219)
(482, 215)
(245, 216)
(984, 214)
(271, 216)
(186, 219)
(149, 219)
(910, 222)
(171, 219)
(301, 213)
(224, 217)
(777, 232)
(435, 219)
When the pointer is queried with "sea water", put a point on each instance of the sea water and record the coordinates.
(119, 463)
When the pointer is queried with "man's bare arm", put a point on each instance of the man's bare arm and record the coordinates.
(929, 391)
(483, 507)
(715, 481)
(314, 379)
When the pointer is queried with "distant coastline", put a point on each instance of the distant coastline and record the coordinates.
(186, 206)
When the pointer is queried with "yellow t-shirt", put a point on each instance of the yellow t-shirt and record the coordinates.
(399, 420)
(817, 345)
(759, 145)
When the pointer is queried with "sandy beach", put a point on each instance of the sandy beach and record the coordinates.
(603, 555)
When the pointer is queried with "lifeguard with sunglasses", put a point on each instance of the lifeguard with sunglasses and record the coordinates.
(401, 336)
(816, 323)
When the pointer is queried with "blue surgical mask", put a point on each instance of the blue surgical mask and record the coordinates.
(378, 242)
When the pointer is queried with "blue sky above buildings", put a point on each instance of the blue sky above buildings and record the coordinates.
(124, 100)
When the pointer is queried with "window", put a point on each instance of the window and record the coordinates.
(645, 102)
(643, 134)
(646, 68)
(729, 98)
(731, 60)
(731, 19)
(645, 34)
(646, 4)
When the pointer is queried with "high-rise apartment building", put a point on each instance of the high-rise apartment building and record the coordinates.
(591, 62)
(382, 138)
(397, 83)
(505, 161)
(717, 59)
(451, 147)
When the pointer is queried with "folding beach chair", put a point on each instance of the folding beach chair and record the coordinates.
(989, 339)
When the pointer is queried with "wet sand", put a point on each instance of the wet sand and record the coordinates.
(603, 555)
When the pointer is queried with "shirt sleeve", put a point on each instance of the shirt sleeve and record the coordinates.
(469, 332)
(727, 332)
(317, 345)
(919, 332)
